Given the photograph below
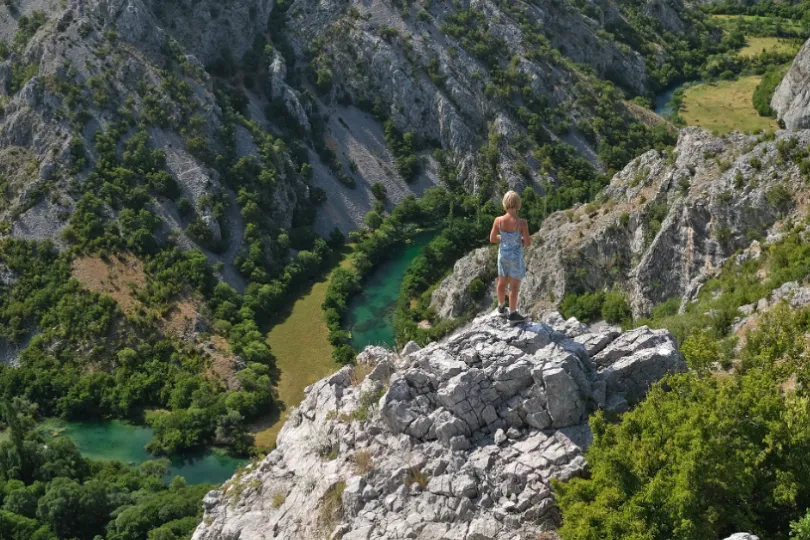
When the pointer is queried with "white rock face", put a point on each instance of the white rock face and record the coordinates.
(458, 440)
(791, 100)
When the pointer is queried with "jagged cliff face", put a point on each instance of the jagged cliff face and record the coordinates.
(441, 71)
(95, 65)
(98, 65)
(791, 100)
(431, 68)
(664, 225)
(458, 440)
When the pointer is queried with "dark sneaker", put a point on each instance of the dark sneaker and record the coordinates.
(503, 310)
(516, 318)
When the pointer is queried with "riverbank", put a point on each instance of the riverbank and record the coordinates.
(300, 345)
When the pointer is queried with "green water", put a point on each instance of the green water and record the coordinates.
(118, 441)
(371, 312)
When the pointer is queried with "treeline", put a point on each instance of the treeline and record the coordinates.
(49, 492)
(781, 19)
(764, 91)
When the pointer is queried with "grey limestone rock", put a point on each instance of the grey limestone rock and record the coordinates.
(462, 444)
(791, 100)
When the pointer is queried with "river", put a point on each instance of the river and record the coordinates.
(371, 312)
(370, 320)
(661, 104)
(115, 440)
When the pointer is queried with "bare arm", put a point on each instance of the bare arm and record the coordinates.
(524, 229)
(494, 237)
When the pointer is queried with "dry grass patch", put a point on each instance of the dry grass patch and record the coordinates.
(361, 371)
(117, 277)
(648, 117)
(415, 475)
(363, 462)
(278, 499)
(331, 507)
(755, 46)
(303, 355)
(725, 106)
(181, 317)
(222, 359)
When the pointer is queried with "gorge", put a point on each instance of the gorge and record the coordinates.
(208, 211)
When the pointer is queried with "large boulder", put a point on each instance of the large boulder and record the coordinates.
(791, 100)
(458, 440)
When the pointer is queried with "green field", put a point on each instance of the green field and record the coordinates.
(754, 46)
(767, 25)
(725, 106)
(303, 355)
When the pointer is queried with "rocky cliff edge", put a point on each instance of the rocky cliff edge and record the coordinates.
(458, 440)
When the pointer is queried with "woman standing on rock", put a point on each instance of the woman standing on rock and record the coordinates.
(513, 235)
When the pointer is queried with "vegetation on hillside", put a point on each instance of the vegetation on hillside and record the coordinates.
(729, 446)
(704, 456)
(49, 492)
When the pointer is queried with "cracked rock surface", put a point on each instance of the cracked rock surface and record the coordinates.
(458, 440)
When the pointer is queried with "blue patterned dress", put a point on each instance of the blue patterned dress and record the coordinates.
(510, 254)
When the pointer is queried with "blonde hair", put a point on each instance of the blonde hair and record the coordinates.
(511, 200)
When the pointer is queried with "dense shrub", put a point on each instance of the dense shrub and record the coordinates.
(476, 288)
(704, 457)
(765, 89)
(615, 309)
(586, 307)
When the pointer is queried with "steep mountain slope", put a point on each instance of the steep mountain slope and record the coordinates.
(664, 225)
(525, 73)
(226, 93)
(111, 67)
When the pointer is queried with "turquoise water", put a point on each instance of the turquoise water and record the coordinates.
(661, 104)
(371, 312)
(114, 440)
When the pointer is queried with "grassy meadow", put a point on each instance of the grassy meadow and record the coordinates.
(725, 106)
(755, 46)
(303, 355)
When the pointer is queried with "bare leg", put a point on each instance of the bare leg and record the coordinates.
(502, 282)
(514, 287)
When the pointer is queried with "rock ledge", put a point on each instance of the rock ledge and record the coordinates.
(458, 440)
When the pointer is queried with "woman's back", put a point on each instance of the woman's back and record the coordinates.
(509, 223)
(511, 236)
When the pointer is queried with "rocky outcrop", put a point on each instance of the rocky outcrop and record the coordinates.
(665, 224)
(791, 100)
(455, 298)
(458, 440)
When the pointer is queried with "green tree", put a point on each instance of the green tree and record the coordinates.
(379, 191)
